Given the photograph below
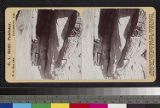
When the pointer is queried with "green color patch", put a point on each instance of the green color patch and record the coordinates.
(41, 105)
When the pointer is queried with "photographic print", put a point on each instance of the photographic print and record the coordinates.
(80, 44)
(48, 44)
(114, 44)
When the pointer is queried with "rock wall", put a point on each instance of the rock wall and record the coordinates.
(120, 49)
(59, 46)
(133, 62)
(90, 22)
(25, 32)
(100, 44)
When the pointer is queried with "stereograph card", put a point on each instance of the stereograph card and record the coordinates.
(80, 44)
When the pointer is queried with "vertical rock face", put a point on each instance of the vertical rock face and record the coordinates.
(120, 34)
(62, 45)
(48, 44)
(46, 41)
(132, 64)
(107, 27)
(25, 32)
(68, 65)
(127, 47)
(119, 49)
(90, 21)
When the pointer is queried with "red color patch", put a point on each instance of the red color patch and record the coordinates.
(79, 106)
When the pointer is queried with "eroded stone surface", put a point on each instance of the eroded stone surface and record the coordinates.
(71, 49)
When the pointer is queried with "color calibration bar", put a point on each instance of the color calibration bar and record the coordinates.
(67, 105)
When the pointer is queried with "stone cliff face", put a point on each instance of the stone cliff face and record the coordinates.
(90, 21)
(48, 44)
(25, 32)
(100, 44)
(132, 64)
(60, 57)
(68, 65)
(120, 49)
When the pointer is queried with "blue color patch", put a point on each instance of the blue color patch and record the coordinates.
(5, 105)
(22, 105)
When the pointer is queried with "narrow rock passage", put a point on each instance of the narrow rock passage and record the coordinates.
(59, 25)
(98, 45)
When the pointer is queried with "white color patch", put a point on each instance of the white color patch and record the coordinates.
(117, 105)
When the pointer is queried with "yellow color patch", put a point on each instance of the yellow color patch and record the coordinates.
(60, 105)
